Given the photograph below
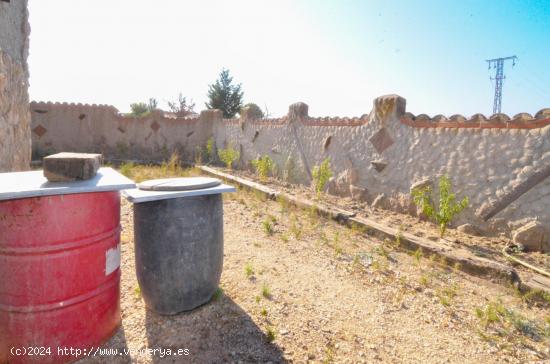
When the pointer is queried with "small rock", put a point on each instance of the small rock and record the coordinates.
(421, 184)
(63, 167)
(358, 193)
(532, 236)
(379, 165)
(469, 229)
(381, 202)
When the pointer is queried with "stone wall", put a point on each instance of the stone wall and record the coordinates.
(376, 158)
(102, 129)
(15, 138)
(380, 156)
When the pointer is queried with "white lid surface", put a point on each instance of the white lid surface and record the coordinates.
(179, 184)
(15, 185)
(137, 195)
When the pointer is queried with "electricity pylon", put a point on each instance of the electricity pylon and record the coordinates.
(498, 63)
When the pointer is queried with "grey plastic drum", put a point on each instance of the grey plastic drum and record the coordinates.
(178, 251)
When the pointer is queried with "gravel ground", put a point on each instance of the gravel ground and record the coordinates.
(484, 246)
(310, 290)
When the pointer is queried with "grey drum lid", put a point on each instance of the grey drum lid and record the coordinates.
(179, 184)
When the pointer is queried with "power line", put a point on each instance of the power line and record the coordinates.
(498, 64)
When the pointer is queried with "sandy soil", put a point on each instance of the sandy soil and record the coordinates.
(328, 294)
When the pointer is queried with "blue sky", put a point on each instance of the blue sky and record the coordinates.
(337, 56)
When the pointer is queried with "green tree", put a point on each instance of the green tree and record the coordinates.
(225, 96)
(255, 112)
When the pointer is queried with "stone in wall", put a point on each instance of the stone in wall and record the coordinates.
(469, 229)
(388, 106)
(533, 236)
(15, 135)
(293, 170)
(345, 183)
(297, 111)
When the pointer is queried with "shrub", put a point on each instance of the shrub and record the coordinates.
(447, 207)
(263, 165)
(228, 156)
(182, 107)
(321, 175)
(210, 149)
(139, 109)
(254, 111)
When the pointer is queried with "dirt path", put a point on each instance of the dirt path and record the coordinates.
(329, 294)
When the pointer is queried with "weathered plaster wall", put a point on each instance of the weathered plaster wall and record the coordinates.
(375, 158)
(15, 138)
(101, 129)
(380, 156)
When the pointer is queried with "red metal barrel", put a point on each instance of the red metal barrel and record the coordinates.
(59, 275)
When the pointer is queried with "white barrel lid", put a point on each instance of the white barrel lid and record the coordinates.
(15, 185)
(179, 184)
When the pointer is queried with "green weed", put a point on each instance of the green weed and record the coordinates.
(268, 227)
(218, 294)
(264, 166)
(270, 335)
(321, 175)
(284, 238)
(447, 294)
(417, 255)
(447, 207)
(503, 320)
(266, 292)
(127, 169)
(137, 292)
(296, 229)
(228, 156)
(248, 270)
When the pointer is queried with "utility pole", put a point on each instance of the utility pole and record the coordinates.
(498, 63)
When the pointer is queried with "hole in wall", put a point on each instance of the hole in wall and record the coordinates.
(256, 134)
(326, 144)
(190, 133)
(82, 116)
(38, 111)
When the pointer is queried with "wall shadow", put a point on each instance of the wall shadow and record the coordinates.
(217, 332)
